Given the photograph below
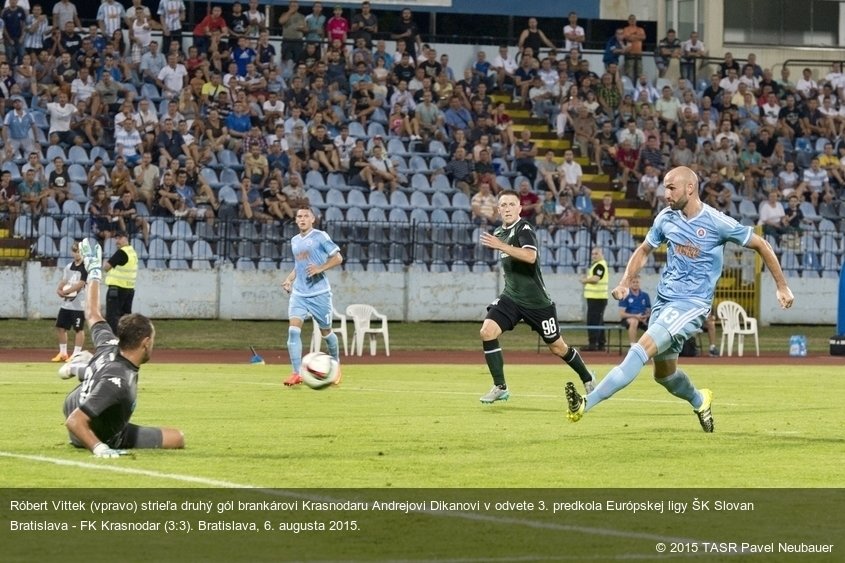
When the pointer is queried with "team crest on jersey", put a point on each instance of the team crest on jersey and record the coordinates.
(700, 232)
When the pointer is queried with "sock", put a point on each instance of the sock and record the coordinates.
(679, 385)
(573, 358)
(63, 349)
(495, 362)
(295, 348)
(619, 377)
(331, 342)
(77, 349)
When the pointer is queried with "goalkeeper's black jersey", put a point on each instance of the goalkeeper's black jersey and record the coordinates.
(109, 389)
(523, 281)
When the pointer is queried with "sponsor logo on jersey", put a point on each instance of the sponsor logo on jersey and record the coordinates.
(115, 380)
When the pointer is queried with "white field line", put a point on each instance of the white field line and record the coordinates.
(470, 516)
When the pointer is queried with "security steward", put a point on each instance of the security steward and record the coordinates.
(122, 270)
(595, 292)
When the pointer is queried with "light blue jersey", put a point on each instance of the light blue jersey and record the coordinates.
(315, 247)
(695, 252)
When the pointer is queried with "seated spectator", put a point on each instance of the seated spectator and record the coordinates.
(788, 179)
(128, 220)
(10, 202)
(276, 202)
(359, 172)
(529, 200)
(815, 183)
(716, 194)
(484, 206)
(459, 170)
(99, 210)
(567, 214)
(383, 172)
(635, 310)
(33, 196)
(295, 192)
(605, 215)
(626, 163)
(794, 217)
(547, 215)
(647, 188)
(772, 216)
(570, 175)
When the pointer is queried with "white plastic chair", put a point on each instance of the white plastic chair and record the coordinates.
(736, 322)
(362, 316)
(316, 337)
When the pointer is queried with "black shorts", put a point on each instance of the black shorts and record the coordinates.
(132, 437)
(68, 319)
(507, 315)
(140, 437)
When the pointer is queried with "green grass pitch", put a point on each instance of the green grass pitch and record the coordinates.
(396, 426)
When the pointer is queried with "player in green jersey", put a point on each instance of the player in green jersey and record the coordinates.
(524, 298)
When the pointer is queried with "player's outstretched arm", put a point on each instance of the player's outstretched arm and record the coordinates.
(92, 256)
(632, 270)
(770, 259)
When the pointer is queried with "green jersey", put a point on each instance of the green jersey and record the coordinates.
(523, 281)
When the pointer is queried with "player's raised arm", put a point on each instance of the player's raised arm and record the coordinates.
(92, 256)
(764, 249)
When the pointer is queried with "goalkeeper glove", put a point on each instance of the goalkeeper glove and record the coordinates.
(104, 451)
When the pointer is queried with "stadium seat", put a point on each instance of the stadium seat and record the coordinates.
(736, 323)
(47, 226)
(399, 201)
(23, 227)
(316, 340)
(419, 201)
(55, 151)
(356, 198)
(362, 316)
(71, 227)
(77, 155)
(180, 250)
(46, 246)
(357, 130)
(376, 214)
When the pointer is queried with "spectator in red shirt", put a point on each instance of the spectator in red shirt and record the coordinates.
(626, 158)
(605, 214)
(529, 200)
(337, 27)
(211, 22)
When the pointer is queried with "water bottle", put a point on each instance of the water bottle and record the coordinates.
(798, 346)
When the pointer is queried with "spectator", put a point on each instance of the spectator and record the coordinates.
(529, 200)
(573, 34)
(293, 26)
(10, 201)
(635, 310)
(772, 216)
(692, 50)
(669, 51)
(604, 216)
(533, 38)
(365, 26)
(484, 207)
(635, 36)
(408, 31)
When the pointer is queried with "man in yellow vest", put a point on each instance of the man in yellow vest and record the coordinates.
(122, 269)
(595, 292)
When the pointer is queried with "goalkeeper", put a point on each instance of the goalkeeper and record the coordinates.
(98, 411)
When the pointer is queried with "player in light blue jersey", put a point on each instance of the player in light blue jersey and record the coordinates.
(695, 234)
(310, 292)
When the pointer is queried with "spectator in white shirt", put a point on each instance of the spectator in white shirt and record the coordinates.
(171, 79)
(573, 33)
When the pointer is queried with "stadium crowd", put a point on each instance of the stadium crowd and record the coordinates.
(213, 126)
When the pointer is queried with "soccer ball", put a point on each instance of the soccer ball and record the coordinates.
(319, 370)
(72, 294)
